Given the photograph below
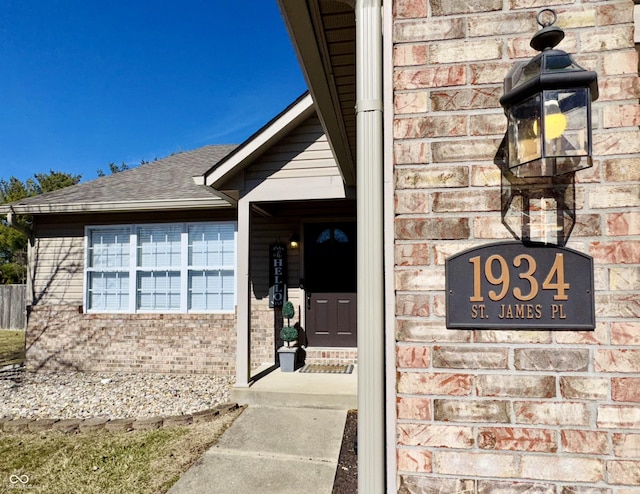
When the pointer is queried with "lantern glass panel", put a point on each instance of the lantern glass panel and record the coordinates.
(522, 73)
(523, 120)
(559, 61)
(565, 122)
(542, 219)
(538, 209)
(565, 126)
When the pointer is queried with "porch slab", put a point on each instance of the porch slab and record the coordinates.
(293, 389)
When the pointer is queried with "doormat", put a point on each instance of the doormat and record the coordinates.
(327, 369)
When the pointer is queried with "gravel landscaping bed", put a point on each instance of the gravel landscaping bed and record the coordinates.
(81, 395)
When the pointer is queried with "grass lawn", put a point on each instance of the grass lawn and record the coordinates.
(11, 347)
(137, 462)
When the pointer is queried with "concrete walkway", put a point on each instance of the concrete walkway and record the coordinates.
(271, 450)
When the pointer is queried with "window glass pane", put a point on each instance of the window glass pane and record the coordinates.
(211, 245)
(332, 234)
(159, 246)
(211, 290)
(108, 291)
(158, 290)
(203, 245)
(228, 240)
(228, 290)
(340, 236)
(109, 248)
(573, 141)
(325, 236)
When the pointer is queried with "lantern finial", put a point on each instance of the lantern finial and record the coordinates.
(549, 36)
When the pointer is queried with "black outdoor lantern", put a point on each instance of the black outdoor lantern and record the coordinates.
(547, 101)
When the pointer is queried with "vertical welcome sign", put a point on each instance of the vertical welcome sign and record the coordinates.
(277, 274)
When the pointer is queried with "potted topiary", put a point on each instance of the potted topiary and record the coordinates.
(288, 353)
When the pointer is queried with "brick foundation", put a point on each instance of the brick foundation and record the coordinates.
(331, 356)
(262, 339)
(59, 337)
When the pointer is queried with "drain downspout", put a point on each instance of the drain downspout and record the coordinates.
(369, 169)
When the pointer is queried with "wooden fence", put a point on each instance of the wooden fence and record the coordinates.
(13, 309)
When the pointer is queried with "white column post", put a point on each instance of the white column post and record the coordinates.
(369, 168)
(243, 353)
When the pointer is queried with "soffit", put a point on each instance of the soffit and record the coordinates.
(324, 36)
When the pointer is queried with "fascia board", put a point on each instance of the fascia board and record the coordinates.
(111, 207)
(260, 142)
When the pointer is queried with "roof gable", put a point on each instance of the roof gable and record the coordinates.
(259, 142)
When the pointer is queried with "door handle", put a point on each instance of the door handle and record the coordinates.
(308, 300)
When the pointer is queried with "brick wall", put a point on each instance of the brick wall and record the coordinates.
(59, 337)
(511, 411)
(263, 333)
(331, 356)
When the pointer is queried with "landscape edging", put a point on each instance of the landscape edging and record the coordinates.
(68, 426)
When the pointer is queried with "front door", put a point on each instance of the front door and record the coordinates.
(330, 284)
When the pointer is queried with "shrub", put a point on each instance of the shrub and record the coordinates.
(288, 311)
(288, 332)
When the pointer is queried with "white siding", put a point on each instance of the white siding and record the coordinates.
(56, 264)
(264, 232)
(304, 153)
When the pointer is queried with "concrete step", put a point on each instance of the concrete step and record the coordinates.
(294, 389)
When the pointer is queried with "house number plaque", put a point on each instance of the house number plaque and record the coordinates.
(512, 285)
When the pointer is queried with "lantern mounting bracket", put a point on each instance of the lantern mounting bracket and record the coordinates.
(549, 36)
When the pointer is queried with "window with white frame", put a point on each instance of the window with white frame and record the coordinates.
(108, 261)
(178, 267)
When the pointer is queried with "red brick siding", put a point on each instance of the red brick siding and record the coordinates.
(511, 411)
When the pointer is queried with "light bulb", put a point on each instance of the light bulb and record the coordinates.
(554, 126)
(555, 122)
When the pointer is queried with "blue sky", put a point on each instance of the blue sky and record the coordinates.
(84, 83)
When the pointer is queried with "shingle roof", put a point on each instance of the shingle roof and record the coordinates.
(166, 183)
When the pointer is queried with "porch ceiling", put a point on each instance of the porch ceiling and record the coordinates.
(323, 33)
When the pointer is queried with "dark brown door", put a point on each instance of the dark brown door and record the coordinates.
(330, 284)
